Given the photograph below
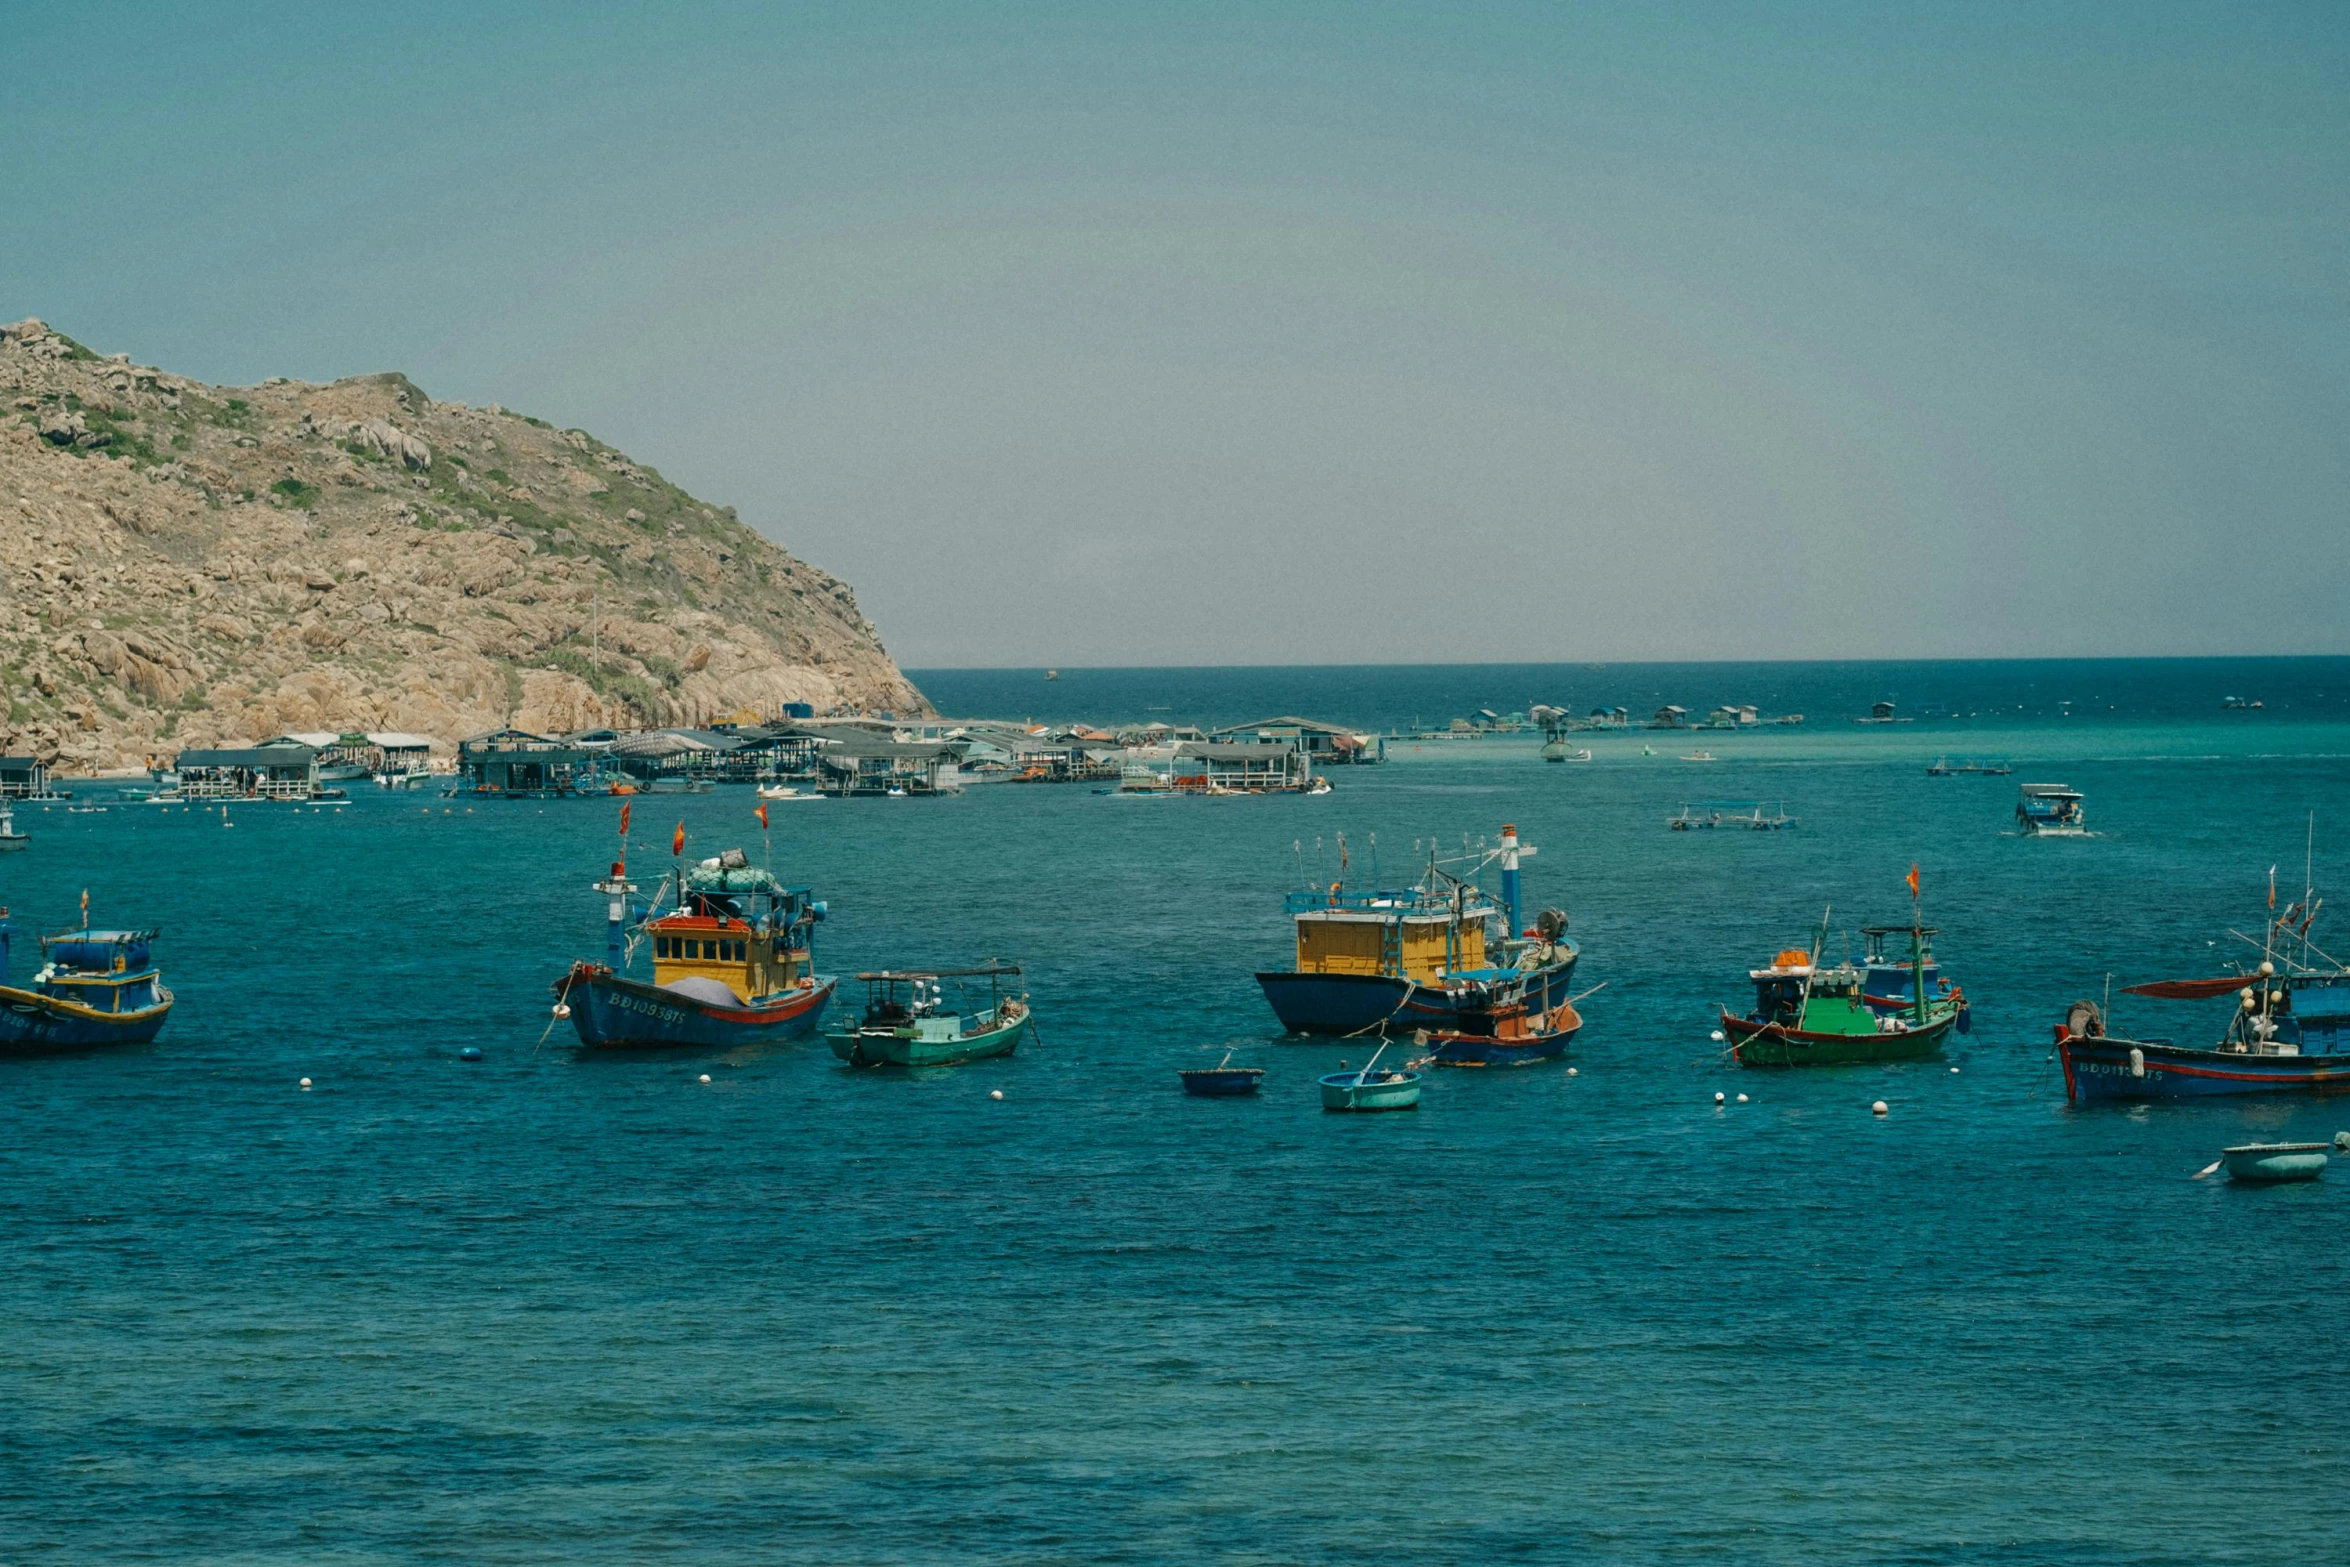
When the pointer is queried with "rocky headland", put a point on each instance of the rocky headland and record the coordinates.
(184, 564)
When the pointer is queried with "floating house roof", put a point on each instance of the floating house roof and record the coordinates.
(256, 756)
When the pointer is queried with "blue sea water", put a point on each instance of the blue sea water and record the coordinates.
(552, 1308)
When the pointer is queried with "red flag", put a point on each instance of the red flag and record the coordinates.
(677, 843)
(1912, 878)
(624, 818)
(762, 815)
(2272, 887)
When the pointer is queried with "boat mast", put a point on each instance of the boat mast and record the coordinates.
(1917, 948)
(1509, 876)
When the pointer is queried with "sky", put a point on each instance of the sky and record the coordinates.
(1265, 333)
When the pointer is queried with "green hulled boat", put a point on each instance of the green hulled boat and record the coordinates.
(1807, 1014)
(907, 1021)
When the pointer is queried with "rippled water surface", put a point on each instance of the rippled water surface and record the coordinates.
(543, 1307)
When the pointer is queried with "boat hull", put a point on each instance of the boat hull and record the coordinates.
(1359, 1003)
(2096, 1067)
(610, 1012)
(33, 1024)
(2276, 1161)
(1525, 1049)
(1766, 1044)
(1222, 1082)
(876, 1047)
(1344, 1091)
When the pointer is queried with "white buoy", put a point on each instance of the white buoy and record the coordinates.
(1571, 1072)
(562, 1009)
(995, 1093)
(1742, 1099)
(705, 1077)
(1719, 1096)
(1719, 1036)
(1954, 1071)
(1878, 1108)
(305, 1082)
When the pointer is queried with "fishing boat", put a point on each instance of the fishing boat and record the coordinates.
(1221, 1081)
(907, 1021)
(2276, 1161)
(94, 987)
(1890, 978)
(2050, 811)
(1369, 1089)
(1504, 1031)
(733, 962)
(2288, 1032)
(1400, 959)
(10, 838)
(1807, 1013)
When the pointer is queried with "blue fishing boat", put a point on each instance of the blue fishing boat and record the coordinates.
(2289, 1031)
(2050, 811)
(94, 987)
(1221, 1081)
(1889, 984)
(1417, 957)
(733, 963)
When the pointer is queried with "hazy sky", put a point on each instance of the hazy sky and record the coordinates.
(1262, 333)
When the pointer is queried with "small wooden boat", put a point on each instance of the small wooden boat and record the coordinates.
(1369, 1089)
(1221, 1081)
(2276, 1161)
(1372, 1091)
(1701, 756)
(1510, 1035)
(908, 1023)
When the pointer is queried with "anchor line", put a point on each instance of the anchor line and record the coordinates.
(1411, 987)
(562, 999)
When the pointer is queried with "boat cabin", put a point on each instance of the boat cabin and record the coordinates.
(2300, 1014)
(1890, 980)
(1792, 993)
(110, 971)
(1412, 934)
(737, 926)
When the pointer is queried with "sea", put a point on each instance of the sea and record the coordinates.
(552, 1307)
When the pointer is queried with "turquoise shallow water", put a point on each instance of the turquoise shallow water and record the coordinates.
(550, 1308)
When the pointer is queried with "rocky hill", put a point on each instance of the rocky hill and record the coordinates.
(183, 564)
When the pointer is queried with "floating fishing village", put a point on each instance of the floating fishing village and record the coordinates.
(1449, 964)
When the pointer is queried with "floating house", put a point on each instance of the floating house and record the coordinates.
(1329, 744)
(280, 770)
(518, 765)
(25, 778)
(856, 763)
(349, 756)
(1670, 718)
(1219, 767)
